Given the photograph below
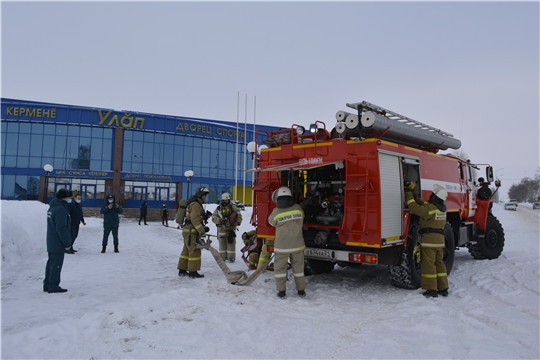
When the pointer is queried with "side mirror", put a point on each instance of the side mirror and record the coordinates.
(489, 174)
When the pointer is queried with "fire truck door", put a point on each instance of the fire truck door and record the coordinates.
(391, 202)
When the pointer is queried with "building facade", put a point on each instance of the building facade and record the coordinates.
(135, 156)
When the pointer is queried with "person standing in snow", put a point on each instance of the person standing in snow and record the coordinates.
(77, 217)
(432, 222)
(58, 240)
(144, 211)
(227, 217)
(194, 229)
(288, 218)
(164, 213)
(110, 210)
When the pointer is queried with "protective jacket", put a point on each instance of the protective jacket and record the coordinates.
(288, 222)
(194, 216)
(110, 216)
(58, 226)
(432, 220)
(222, 218)
(164, 211)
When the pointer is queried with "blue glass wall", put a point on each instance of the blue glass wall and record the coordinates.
(156, 150)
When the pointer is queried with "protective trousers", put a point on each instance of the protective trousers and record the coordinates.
(52, 271)
(190, 258)
(433, 269)
(297, 265)
(253, 258)
(106, 233)
(226, 250)
(265, 254)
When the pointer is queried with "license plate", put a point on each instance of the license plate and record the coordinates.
(318, 253)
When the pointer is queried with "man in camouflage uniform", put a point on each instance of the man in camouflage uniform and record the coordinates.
(432, 222)
(288, 218)
(227, 217)
(194, 229)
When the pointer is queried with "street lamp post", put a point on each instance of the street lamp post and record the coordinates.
(48, 168)
(188, 174)
(255, 150)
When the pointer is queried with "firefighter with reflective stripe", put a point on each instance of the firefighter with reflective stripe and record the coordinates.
(227, 217)
(194, 229)
(252, 247)
(288, 218)
(432, 222)
(265, 253)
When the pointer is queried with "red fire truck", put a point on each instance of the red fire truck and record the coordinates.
(349, 181)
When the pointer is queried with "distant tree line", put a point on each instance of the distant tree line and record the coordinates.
(528, 190)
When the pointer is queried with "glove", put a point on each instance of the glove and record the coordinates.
(206, 229)
(409, 185)
(416, 252)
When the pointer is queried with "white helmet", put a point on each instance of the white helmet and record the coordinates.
(225, 196)
(439, 191)
(282, 191)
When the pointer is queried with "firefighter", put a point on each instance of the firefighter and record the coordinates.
(252, 247)
(432, 222)
(227, 217)
(288, 218)
(194, 229)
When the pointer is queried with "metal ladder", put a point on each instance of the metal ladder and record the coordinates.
(366, 106)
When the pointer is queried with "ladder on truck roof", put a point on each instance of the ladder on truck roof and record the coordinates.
(364, 105)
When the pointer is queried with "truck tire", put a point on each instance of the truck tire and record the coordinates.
(449, 252)
(492, 244)
(315, 267)
(408, 274)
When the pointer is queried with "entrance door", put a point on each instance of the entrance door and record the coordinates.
(140, 193)
(162, 194)
(88, 194)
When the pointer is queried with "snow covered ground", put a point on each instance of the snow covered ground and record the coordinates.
(133, 304)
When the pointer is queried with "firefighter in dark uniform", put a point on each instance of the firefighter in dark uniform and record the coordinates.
(194, 229)
(432, 222)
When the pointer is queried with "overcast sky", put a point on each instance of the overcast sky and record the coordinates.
(471, 69)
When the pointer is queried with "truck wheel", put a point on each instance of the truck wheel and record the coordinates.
(449, 248)
(492, 244)
(407, 274)
(315, 267)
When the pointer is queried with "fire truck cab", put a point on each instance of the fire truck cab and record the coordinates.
(349, 182)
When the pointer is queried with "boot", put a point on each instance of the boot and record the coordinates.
(302, 293)
(282, 295)
(116, 248)
(103, 250)
(430, 293)
(195, 275)
(443, 292)
(182, 272)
